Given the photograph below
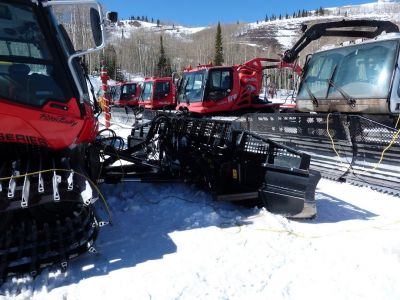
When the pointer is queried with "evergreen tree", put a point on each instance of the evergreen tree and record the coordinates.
(158, 23)
(109, 57)
(219, 52)
(152, 20)
(163, 66)
(266, 18)
(119, 76)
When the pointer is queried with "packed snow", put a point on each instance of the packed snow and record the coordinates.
(172, 241)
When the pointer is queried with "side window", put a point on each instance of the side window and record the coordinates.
(129, 89)
(221, 80)
(162, 89)
(220, 84)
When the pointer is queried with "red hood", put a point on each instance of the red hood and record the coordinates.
(49, 127)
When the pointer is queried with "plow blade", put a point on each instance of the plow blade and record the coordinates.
(345, 148)
(290, 192)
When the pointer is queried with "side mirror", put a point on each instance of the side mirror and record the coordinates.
(95, 24)
(92, 17)
(112, 16)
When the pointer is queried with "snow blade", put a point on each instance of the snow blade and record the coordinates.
(290, 192)
(271, 175)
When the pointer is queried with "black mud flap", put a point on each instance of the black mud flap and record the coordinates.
(290, 192)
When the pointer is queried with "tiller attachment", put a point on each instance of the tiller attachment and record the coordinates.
(236, 165)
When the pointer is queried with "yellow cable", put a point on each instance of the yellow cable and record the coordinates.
(330, 136)
(395, 136)
(318, 236)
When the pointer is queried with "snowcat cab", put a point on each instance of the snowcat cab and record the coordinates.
(47, 126)
(125, 94)
(357, 77)
(210, 89)
(158, 92)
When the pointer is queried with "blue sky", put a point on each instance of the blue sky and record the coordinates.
(206, 12)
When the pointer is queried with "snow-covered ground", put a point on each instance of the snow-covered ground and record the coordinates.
(172, 241)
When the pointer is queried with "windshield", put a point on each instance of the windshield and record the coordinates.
(361, 71)
(28, 71)
(147, 93)
(192, 88)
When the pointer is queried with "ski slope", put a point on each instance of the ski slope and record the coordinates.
(172, 241)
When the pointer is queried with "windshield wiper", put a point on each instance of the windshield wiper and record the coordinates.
(312, 96)
(350, 100)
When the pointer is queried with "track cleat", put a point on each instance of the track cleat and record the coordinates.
(70, 181)
(56, 180)
(11, 188)
(25, 192)
(40, 184)
(40, 180)
(87, 194)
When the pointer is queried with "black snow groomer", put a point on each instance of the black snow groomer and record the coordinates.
(349, 96)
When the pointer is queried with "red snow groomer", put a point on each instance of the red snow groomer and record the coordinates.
(47, 126)
(53, 156)
(209, 89)
(125, 94)
(158, 93)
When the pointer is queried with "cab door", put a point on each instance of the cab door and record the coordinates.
(219, 88)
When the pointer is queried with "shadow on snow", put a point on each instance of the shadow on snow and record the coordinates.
(333, 210)
(143, 217)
